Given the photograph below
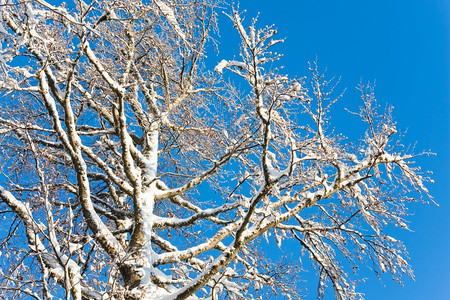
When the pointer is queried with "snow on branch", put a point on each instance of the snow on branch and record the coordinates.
(171, 18)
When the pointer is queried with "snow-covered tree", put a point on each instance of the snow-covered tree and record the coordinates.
(132, 169)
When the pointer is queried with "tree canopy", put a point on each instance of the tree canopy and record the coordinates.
(133, 169)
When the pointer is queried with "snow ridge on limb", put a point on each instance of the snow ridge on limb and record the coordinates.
(227, 64)
(171, 18)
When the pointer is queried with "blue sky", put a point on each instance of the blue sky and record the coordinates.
(405, 47)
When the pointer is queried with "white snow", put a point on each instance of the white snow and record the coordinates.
(170, 16)
(227, 64)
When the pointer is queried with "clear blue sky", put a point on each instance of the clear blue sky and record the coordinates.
(404, 46)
